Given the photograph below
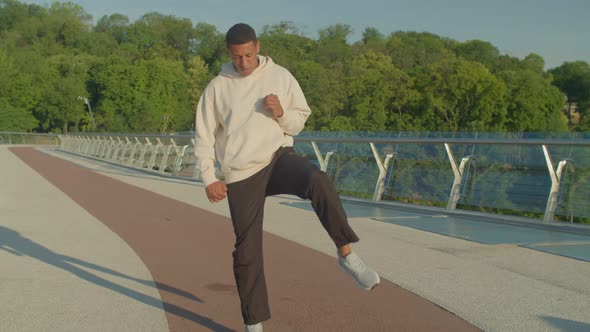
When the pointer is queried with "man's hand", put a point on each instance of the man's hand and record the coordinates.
(216, 191)
(272, 103)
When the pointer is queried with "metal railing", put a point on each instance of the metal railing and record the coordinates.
(538, 177)
(28, 138)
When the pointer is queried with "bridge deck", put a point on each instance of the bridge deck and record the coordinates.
(92, 246)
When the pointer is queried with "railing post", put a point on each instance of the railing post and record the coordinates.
(133, 150)
(125, 149)
(92, 145)
(82, 144)
(155, 149)
(455, 194)
(143, 151)
(117, 147)
(99, 146)
(87, 144)
(66, 142)
(60, 139)
(380, 185)
(555, 185)
(72, 145)
(76, 148)
(164, 160)
(180, 151)
(110, 143)
(321, 160)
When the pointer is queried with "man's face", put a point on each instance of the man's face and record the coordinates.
(244, 57)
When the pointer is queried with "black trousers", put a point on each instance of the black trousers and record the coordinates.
(288, 173)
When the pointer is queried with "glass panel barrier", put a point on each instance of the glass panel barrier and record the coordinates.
(543, 176)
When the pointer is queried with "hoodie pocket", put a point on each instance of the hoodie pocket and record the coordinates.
(254, 142)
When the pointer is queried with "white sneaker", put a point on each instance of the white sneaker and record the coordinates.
(364, 276)
(253, 328)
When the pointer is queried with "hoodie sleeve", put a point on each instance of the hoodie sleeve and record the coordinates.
(295, 109)
(205, 129)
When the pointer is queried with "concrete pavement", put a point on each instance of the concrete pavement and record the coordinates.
(494, 287)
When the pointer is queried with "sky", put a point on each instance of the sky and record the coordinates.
(557, 30)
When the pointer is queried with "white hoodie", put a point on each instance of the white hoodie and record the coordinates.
(233, 125)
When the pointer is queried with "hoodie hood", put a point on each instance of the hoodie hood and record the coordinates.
(228, 69)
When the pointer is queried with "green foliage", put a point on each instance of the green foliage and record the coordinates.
(147, 76)
(373, 85)
(478, 51)
(324, 93)
(332, 47)
(533, 103)
(409, 50)
(461, 95)
(573, 79)
(15, 119)
(16, 97)
(209, 44)
(146, 96)
(284, 43)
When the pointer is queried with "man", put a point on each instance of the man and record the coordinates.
(246, 119)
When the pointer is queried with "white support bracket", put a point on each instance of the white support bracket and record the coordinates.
(555, 184)
(164, 161)
(382, 166)
(458, 171)
(59, 137)
(87, 145)
(125, 149)
(321, 160)
(104, 147)
(93, 144)
(109, 151)
(133, 150)
(80, 147)
(98, 147)
(155, 149)
(118, 145)
(180, 151)
(144, 149)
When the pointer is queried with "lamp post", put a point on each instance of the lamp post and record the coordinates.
(89, 110)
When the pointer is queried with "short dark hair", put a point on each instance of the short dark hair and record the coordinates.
(239, 34)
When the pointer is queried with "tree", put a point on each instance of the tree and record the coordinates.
(157, 35)
(145, 96)
(461, 95)
(285, 44)
(332, 47)
(209, 44)
(534, 63)
(478, 51)
(373, 40)
(409, 50)
(59, 106)
(68, 22)
(198, 77)
(376, 93)
(533, 103)
(12, 13)
(115, 25)
(573, 79)
(323, 90)
(16, 97)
